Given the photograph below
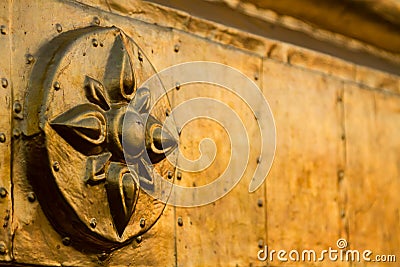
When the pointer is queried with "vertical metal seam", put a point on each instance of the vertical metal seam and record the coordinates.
(11, 229)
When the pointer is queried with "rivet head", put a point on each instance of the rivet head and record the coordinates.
(96, 20)
(17, 107)
(260, 203)
(140, 57)
(95, 43)
(260, 243)
(16, 133)
(66, 241)
(167, 112)
(103, 256)
(256, 77)
(29, 59)
(139, 239)
(2, 138)
(3, 248)
(56, 166)
(31, 197)
(142, 222)
(177, 86)
(4, 82)
(169, 175)
(340, 174)
(3, 29)
(3, 192)
(93, 223)
(176, 48)
(179, 176)
(180, 221)
(57, 86)
(59, 27)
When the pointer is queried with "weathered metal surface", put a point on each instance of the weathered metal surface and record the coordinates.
(372, 170)
(325, 183)
(6, 211)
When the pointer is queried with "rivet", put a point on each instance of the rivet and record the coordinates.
(59, 27)
(260, 243)
(3, 248)
(167, 112)
(142, 222)
(258, 160)
(3, 29)
(96, 20)
(256, 77)
(4, 82)
(176, 48)
(17, 107)
(177, 86)
(342, 213)
(2, 137)
(341, 174)
(66, 241)
(260, 203)
(57, 86)
(31, 197)
(56, 166)
(95, 43)
(180, 221)
(16, 133)
(140, 57)
(3, 192)
(93, 223)
(179, 176)
(29, 59)
(139, 239)
(169, 175)
(103, 256)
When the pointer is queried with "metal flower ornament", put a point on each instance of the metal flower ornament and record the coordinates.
(95, 129)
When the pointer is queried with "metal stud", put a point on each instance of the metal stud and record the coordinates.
(177, 86)
(167, 112)
(57, 86)
(96, 20)
(180, 221)
(179, 176)
(93, 223)
(95, 43)
(4, 82)
(260, 203)
(16, 133)
(140, 57)
(139, 239)
(3, 29)
(29, 59)
(3, 192)
(340, 174)
(66, 241)
(176, 48)
(103, 256)
(169, 175)
(59, 28)
(142, 222)
(17, 107)
(3, 248)
(56, 166)
(260, 243)
(2, 138)
(31, 197)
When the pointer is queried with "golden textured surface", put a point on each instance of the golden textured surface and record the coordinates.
(336, 170)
